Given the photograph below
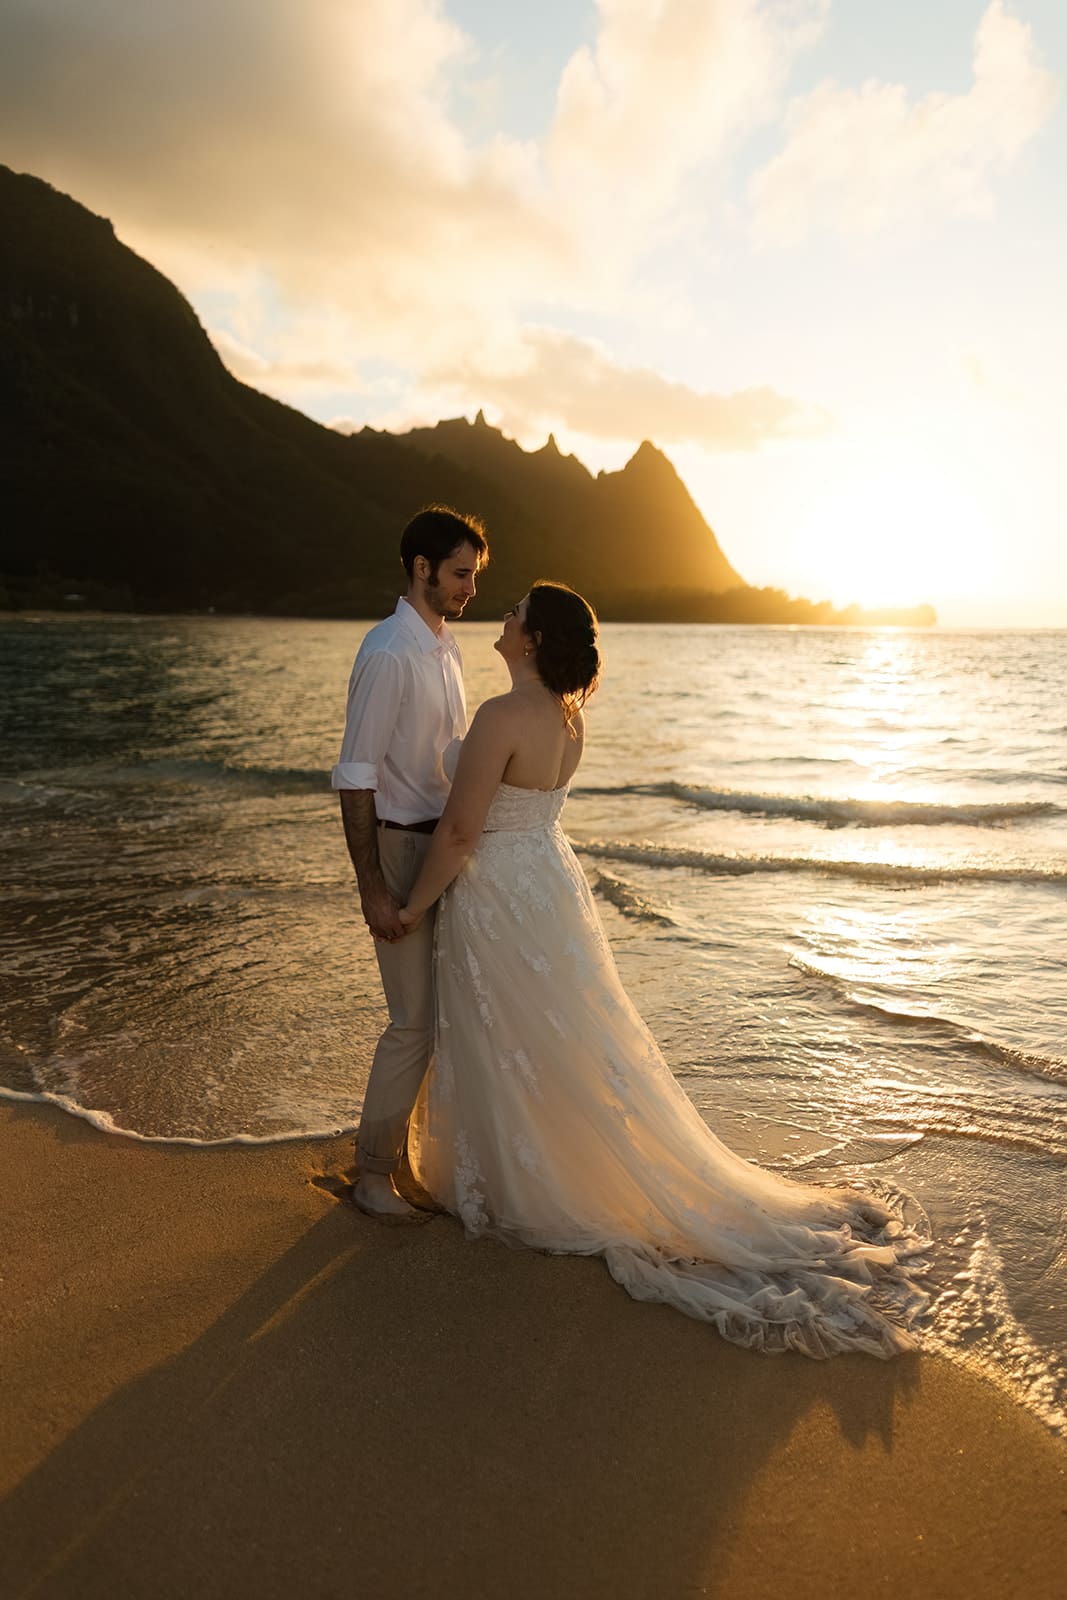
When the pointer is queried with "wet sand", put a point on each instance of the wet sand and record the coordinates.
(218, 1379)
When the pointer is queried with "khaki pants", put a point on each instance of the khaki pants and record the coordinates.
(404, 1049)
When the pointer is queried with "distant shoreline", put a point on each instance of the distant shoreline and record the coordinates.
(93, 614)
(745, 606)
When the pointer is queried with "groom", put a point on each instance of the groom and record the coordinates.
(405, 705)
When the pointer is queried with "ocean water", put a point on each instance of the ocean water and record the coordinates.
(832, 864)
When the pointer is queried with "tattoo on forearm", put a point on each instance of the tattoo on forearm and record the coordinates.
(361, 836)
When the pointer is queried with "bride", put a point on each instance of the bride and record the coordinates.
(549, 1118)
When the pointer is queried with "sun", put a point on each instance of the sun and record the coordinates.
(897, 533)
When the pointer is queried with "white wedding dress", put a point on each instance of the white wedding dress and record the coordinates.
(549, 1119)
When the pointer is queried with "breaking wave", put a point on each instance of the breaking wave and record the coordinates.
(722, 862)
(1033, 1063)
(838, 813)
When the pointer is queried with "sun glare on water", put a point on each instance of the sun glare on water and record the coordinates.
(883, 711)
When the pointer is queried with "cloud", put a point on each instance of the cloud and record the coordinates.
(311, 140)
(859, 160)
(316, 144)
(279, 376)
(564, 382)
(664, 91)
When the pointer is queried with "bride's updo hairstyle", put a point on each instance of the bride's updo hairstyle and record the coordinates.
(563, 628)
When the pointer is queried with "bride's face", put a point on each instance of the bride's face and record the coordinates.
(514, 640)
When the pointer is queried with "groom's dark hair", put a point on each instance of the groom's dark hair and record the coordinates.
(434, 532)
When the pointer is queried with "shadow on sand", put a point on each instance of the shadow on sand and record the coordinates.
(395, 1412)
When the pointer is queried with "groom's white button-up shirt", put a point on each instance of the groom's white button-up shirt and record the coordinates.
(405, 705)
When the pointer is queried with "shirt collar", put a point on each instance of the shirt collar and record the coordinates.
(420, 631)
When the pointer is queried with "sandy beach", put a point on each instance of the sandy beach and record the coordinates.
(221, 1380)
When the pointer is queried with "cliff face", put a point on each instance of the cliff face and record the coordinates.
(137, 470)
(134, 464)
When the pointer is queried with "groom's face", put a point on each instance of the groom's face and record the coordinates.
(456, 583)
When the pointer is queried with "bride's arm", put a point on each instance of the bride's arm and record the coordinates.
(487, 749)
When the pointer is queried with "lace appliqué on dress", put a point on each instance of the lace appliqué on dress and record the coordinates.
(470, 1198)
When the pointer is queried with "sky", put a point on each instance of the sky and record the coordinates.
(813, 249)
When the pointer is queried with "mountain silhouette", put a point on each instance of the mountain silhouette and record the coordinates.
(636, 530)
(138, 472)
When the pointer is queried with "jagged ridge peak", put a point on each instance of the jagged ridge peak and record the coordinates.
(483, 441)
(649, 458)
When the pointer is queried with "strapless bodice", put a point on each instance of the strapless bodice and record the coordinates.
(514, 810)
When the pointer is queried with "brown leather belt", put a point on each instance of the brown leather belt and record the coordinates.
(410, 827)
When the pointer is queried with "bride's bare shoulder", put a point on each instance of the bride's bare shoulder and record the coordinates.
(518, 708)
(495, 709)
(496, 719)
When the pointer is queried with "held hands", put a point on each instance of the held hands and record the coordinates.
(385, 919)
(382, 915)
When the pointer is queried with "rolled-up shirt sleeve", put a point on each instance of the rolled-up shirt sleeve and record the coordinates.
(375, 691)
